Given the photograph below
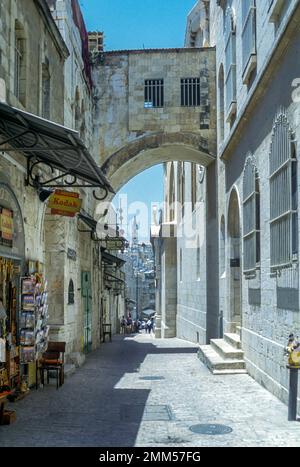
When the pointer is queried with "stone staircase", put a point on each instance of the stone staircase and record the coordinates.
(224, 356)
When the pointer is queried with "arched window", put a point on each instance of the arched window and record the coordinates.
(251, 217)
(230, 65)
(283, 195)
(20, 64)
(221, 85)
(71, 294)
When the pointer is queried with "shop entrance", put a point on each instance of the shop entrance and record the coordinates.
(86, 287)
(10, 273)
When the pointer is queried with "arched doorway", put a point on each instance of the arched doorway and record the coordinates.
(234, 316)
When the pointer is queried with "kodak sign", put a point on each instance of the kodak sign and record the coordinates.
(64, 203)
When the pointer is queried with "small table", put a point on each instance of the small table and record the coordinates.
(106, 331)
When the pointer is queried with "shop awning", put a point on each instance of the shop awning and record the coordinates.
(55, 146)
(88, 220)
(107, 258)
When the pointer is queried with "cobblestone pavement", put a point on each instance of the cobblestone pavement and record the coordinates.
(138, 391)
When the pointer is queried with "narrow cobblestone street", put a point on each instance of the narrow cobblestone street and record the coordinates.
(139, 391)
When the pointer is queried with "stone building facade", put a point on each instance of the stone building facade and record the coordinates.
(61, 92)
(258, 190)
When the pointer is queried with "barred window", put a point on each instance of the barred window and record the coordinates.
(154, 93)
(249, 30)
(251, 216)
(230, 54)
(283, 195)
(190, 92)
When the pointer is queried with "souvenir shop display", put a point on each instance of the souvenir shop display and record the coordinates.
(34, 330)
(9, 339)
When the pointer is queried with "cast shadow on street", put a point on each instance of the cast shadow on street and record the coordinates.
(97, 406)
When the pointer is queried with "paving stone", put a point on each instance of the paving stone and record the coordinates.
(105, 403)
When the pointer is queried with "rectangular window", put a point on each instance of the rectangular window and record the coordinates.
(20, 70)
(154, 93)
(190, 92)
(248, 31)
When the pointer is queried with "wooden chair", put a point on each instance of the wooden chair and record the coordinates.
(53, 360)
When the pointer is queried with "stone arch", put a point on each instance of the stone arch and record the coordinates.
(153, 149)
(234, 317)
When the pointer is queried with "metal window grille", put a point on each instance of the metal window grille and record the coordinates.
(154, 93)
(230, 54)
(249, 30)
(283, 195)
(251, 217)
(190, 92)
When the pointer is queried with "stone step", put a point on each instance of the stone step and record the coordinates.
(233, 339)
(227, 351)
(239, 331)
(216, 363)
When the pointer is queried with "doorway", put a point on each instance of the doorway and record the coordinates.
(235, 273)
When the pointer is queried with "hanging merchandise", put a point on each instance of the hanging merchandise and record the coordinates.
(34, 330)
(2, 350)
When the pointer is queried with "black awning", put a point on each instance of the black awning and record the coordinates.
(88, 220)
(112, 259)
(45, 142)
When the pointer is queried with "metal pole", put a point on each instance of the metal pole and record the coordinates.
(293, 392)
(137, 296)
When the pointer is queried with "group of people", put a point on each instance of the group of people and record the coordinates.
(128, 325)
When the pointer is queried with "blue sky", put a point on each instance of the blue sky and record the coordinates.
(134, 24)
(137, 24)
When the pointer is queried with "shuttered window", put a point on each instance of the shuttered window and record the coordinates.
(283, 195)
(251, 217)
(230, 54)
(249, 30)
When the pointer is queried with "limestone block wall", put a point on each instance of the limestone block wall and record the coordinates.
(270, 305)
(192, 270)
(37, 51)
(266, 33)
(120, 113)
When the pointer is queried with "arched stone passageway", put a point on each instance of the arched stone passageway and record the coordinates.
(147, 151)
(142, 154)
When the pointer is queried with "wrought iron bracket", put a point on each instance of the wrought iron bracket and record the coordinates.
(35, 180)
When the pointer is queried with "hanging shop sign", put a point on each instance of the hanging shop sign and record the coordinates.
(6, 226)
(115, 244)
(64, 203)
